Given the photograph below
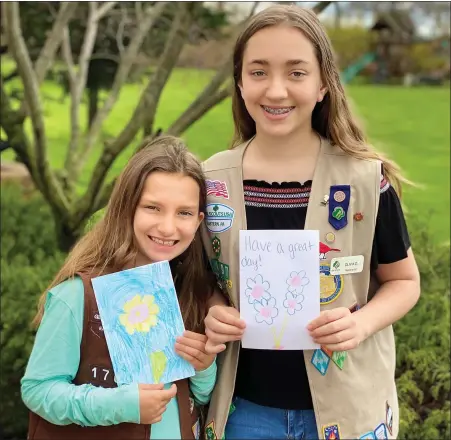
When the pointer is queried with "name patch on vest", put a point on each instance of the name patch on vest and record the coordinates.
(219, 217)
(331, 286)
(346, 265)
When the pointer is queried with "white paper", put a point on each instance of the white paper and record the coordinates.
(279, 288)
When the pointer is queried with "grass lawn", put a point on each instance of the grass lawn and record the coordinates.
(412, 126)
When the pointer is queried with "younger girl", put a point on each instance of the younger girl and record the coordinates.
(153, 215)
(300, 161)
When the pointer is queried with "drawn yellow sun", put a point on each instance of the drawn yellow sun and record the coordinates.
(140, 314)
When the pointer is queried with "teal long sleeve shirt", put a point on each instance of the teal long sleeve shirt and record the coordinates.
(47, 387)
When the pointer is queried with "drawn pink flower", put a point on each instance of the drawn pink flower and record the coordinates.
(257, 289)
(297, 281)
(293, 303)
(266, 310)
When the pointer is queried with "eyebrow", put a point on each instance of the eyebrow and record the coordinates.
(288, 63)
(145, 201)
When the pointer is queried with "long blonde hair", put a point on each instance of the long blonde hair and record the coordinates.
(332, 117)
(110, 245)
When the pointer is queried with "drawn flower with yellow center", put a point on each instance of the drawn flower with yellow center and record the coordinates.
(140, 314)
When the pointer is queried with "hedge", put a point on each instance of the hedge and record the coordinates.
(30, 258)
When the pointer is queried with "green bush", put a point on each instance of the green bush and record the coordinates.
(30, 259)
(423, 346)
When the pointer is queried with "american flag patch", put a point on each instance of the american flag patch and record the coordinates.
(217, 188)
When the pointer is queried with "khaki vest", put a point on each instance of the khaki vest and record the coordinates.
(96, 368)
(359, 399)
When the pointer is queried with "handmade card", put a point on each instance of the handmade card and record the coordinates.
(279, 288)
(141, 319)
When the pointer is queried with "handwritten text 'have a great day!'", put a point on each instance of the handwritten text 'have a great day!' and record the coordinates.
(269, 247)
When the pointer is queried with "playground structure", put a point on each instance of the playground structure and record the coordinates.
(391, 36)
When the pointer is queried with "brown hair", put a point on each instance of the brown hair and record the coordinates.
(331, 118)
(110, 245)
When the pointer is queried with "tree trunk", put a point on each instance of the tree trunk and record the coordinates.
(66, 234)
(93, 104)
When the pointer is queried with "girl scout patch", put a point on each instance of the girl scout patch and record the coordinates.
(219, 217)
(381, 431)
(331, 432)
(210, 432)
(389, 418)
(330, 286)
(338, 205)
(320, 361)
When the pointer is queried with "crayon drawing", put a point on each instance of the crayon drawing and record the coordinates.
(279, 288)
(141, 319)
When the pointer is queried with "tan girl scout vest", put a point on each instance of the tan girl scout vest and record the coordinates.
(353, 393)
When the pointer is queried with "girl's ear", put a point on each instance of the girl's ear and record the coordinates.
(322, 93)
(200, 218)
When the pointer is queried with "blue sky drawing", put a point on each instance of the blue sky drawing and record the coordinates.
(130, 354)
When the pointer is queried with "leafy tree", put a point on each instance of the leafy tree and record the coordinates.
(71, 210)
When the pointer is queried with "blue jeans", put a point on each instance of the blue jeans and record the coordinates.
(251, 421)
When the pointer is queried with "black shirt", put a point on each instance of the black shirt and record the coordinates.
(278, 378)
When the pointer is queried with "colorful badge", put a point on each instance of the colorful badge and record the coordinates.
(220, 269)
(324, 250)
(196, 430)
(231, 409)
(368, 436)
(219, 217)
(320, 361)
(210, 431)
(381, 432)
(217, 188)
(338, 357)
(327, 351)
(338, 205)
(216, 246)
(330, 286)
(331, 432)
(389, 418)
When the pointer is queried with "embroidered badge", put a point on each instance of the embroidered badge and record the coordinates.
(358, 217)
(330, 286)
(338, 357)
(217, 188)
(320, 361)
(324, 250)
(196, 430)
(327, 351)
(219, 217)
(339, 196)
(220, 269)
(210, 431)
(216, 245)
(330, 237)
(381, 432)
(389, 418)
(368, 436)
(331, 432)
(338, 205)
